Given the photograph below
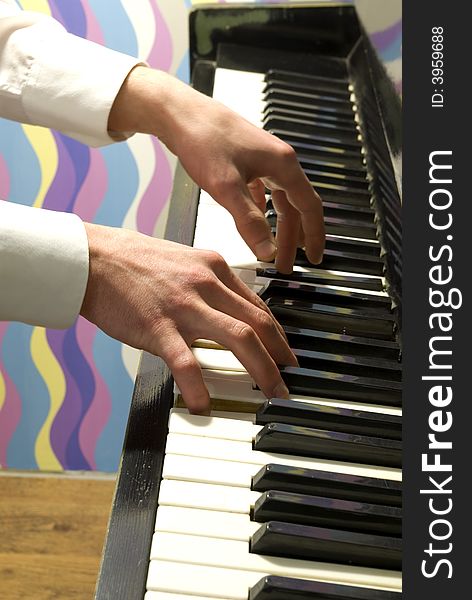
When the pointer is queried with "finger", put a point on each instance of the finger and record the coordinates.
(234, 283)
(288, 228)
(260, 320)
(257, 190)
(245, 344)
(249, 219)
(288, 176)
(187, 374)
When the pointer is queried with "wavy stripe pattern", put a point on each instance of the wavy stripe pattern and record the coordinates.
(65, 395)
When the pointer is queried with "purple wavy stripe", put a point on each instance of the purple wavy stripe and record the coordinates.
(157, 193)
(83, 377)
(58, 197)
(4, 179)
(94, 32)
(10, 413)
(69, 414)
(93, 189)
(80, 157)
(61, 191)
(160, 56)
(70, 14)
(99, 410)
(383, 39)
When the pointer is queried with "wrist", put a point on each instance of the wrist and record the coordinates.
(149, 101)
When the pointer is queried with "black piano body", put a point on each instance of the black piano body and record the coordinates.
(286, 37)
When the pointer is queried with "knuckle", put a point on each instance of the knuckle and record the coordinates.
(226, 185)
(243, 332)
(183, 363)
(215, 261)
(265, 321)
(286, 153)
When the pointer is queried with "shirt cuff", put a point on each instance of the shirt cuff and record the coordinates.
(44, 264)
(69, 83)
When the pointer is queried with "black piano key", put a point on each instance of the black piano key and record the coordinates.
(287, 588)
(349, 365)
(338, 226)
(332, 445)
(367, 247)
(333, 513)
(349, 262)
(346, 420)
(332, 166)
(288, 98)
(334, 178)
(361, 215)
(346, 321)
(314, 133)
(295, 286)
(328, 484)
(279, 109)
(332, 384)
(340, 83)
(309, 121)
(302, 142)
(322, 276)
(325, 341)
(327, 545)
(309, 93)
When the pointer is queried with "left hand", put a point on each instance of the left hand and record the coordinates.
(229, 158)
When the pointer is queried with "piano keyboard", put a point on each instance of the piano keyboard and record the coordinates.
(296, 498)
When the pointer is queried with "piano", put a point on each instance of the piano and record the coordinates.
(272, 498)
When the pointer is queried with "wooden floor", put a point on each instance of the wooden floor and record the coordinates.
(52, 530)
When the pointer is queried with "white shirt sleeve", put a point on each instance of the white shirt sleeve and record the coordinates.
(51, 78)
(43, 265)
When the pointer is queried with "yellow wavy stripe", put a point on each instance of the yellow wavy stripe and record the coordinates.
(36, 5)
(44, 146)
(3, 391)
(54, 379)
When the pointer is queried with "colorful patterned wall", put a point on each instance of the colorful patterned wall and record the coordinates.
(65, 395)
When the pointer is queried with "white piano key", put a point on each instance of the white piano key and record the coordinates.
(216, 427)
(206, 523)
(223, 360)
(239, 386)
(222, 498)
(203, 581)
(235, 555)
(208, 582)
(249, 104)
(228, 450)
(167, 596)
(247, 273)
(208, 470)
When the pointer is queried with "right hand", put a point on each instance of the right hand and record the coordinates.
(160, 297)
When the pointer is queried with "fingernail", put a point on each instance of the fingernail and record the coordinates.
(265, 250)
(281, 391)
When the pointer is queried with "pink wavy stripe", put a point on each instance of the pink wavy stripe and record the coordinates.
(160, 56)
(94, 32)
(157, 193)
(10, 413)
(93, 189)
(4, 179)
(99, 410)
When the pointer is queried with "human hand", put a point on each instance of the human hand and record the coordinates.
(160, 297)
(229, 158)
